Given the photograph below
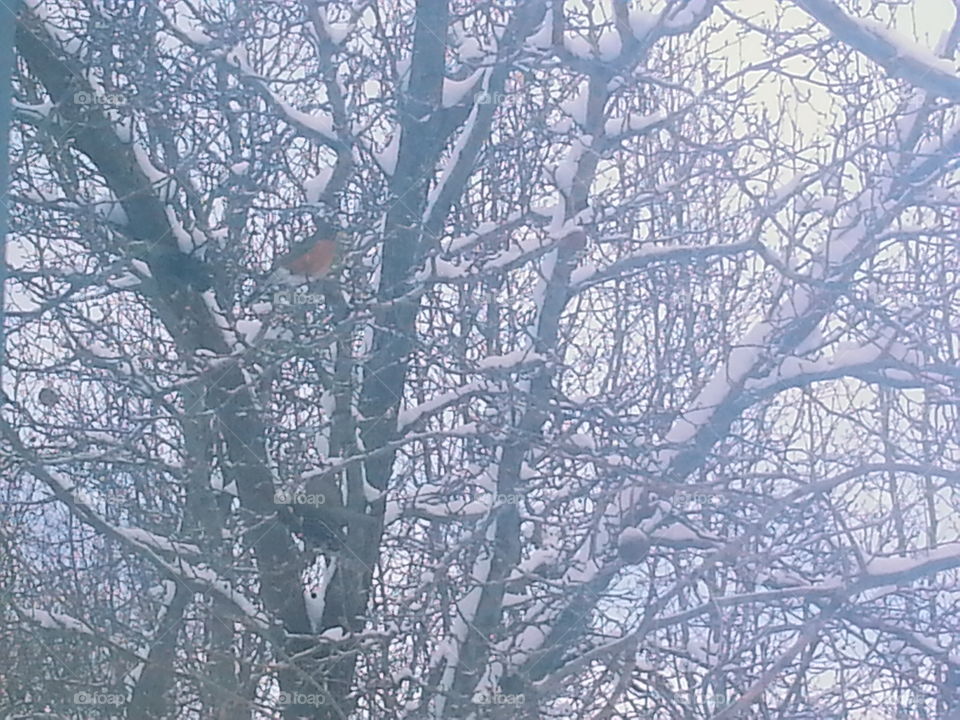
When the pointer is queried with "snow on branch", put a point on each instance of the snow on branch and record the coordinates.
(904, 569)
(57, 621)
(510, 360)
(519, 252)
(588, 275)
(316, 125)
(684, 18)
(898, 55)
(411, 416)
(144, 543)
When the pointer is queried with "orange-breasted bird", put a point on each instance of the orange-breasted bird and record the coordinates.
(306, 261)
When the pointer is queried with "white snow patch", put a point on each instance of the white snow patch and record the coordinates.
(610, 45)
(566, 171)
(542, 39)
(388, 158)
(576, 106)
(906, 47)
(471, 49)
(642, 22)
(632, 123)
(336, 32)
(315, 186)
(508, 360)
(578, 47)
(455, 90)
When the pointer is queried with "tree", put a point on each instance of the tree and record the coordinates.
(636, 370)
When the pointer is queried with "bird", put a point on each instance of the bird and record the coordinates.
(306, 261)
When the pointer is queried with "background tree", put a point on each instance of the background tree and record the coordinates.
(636, 370)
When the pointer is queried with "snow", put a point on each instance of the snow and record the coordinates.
(240, 168)
(578, 47)
(786, 191)
(526, 248)
(57, 621)
(410, 416)
(739, 362)
(154, 175)
(677, 532)
(388, 158)
(530, 640)
(42, 109)
(191, 33)
(455, 90)
(321, 124)
(101, 351)
(334, 634)
(632, 123)
(124, 282)
(566, 171)
(900, 55)
(824, 204)
(483, 230)
(146, 538)
(642, 23)
(449, 169)
(214, 582)
(314, 187)
(576, 106)
(745, 355)
(583, 273)
(508, 360)
(583, 568)
(470, 49)
(693, 12)
(163, 592)
(610, 45)
(583, 441)
(542, 39)
(336, 32)
(462, 624)
(249, 329)
(947, 555)
(314, 598)
(907, 47)
(185, 241)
